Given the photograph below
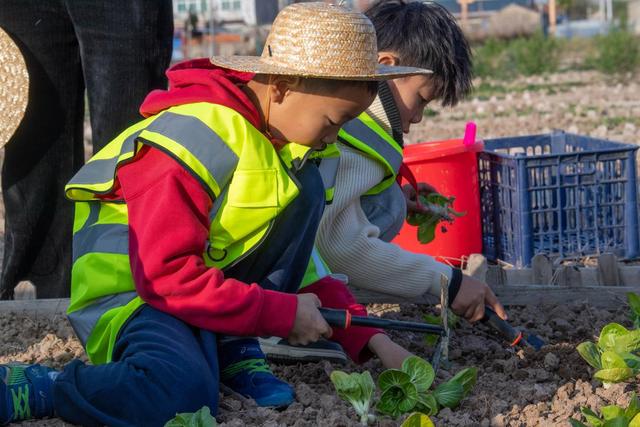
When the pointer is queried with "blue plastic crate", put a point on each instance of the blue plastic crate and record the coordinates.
(560, 194)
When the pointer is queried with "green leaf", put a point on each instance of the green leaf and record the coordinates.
(628, 342)
(432, 319)
(614, 375)
(609, 335)
(633, 408)
(631, 360)
(576, 423)
(456, 213)
(392, 377)
(420, 371)
(467, 378)
(611, 359)
(449, 394)
(427, 403)
(590, 352)
(367, 386)
(634, 302)
(418, 419)
(611, 411)
(346, 385)
(398, 399)
(435, 199)
(416, 219)
(426, 233)
(592, 418)
(201, 418)
(635, 421)
(616, 422)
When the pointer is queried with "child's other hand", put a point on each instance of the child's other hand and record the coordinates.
(411, 196)
(309, 325)
(472, 297)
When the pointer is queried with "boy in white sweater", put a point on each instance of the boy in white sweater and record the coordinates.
(369, 207)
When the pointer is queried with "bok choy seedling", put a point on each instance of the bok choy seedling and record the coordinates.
(356, 389)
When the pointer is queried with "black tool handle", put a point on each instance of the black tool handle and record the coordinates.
(343, 319)
(502, 326)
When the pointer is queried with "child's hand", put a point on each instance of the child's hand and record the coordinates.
(309, 325)
(411, 196)
(472, 297)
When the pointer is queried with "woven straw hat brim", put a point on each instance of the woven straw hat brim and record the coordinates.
(254, 64)
(14, 87)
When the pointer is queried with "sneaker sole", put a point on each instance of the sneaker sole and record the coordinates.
(291, 354)
(284, 401)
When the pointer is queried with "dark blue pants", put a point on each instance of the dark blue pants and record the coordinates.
(161, 365)
(118, 51)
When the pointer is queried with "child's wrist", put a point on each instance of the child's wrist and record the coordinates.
(378, 340)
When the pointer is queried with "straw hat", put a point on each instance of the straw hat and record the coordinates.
(319, 40)
(14, 87)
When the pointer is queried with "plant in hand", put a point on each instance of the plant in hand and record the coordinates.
(439, 209)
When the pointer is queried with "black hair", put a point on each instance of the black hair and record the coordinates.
(426, 35)
(315, 85)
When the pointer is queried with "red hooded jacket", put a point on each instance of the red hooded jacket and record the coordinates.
(169, 223)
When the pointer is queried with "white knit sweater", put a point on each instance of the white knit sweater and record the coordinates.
(350, 244)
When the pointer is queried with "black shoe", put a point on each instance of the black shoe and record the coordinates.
(279, 350)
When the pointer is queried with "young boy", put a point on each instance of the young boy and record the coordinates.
(199, 222)
(369, 207)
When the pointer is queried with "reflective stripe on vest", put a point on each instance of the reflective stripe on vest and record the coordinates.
(199, 148)
(364, 134)
(84, 320)
(328, 170)
(248, 180)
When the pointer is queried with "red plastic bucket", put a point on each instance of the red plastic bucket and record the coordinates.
(452, 168)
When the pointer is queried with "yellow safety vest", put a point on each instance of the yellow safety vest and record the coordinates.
(366, 135)
(250, 183)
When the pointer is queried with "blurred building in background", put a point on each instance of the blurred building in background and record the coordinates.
(228, 27)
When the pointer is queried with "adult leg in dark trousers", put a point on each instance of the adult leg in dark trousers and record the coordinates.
(120, 49)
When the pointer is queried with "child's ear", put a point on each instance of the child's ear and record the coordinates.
(281, 86)
(388, 58)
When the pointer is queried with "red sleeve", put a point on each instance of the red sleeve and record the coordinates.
(334, 294)
(168, 227)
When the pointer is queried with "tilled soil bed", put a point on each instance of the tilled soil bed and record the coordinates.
(516, 387)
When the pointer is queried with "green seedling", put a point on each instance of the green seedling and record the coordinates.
(615, 355)
(356, 389)
(634, 304)
(201, 418)
(408, 389)
(439, 209)
(611, 416)
(431, 319)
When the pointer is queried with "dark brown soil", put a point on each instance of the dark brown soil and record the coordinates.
(516, 387)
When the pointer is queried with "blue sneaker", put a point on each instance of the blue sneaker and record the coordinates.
(243, 369)
(25, 392)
